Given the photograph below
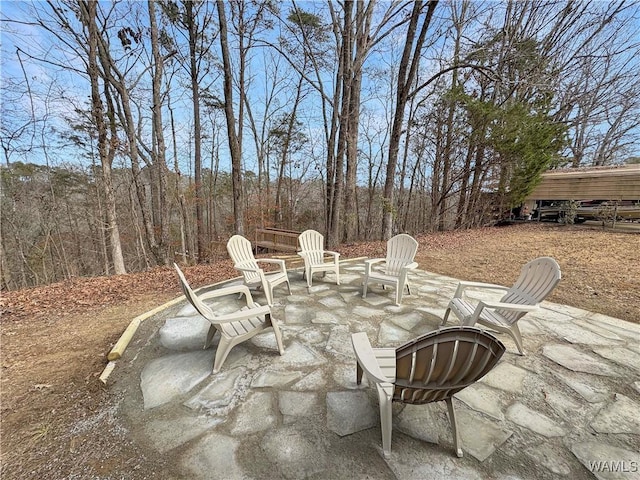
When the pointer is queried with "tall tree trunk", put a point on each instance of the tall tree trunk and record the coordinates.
(234, 144)
(406, 74)
(88, 11)
(159, 147)
(197, 128)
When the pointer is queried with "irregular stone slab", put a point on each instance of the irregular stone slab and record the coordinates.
(577, 361)
(505, 377)
(590, 393)
(563, 405)
(624, 333)
(350, 278)
(219, 392)
(549, 458)
(299, 404)
(529, 327)
(436, 314)
(428, 289)
(482, 399)
(350, 297)
(319, 288)
(407, 321)
(525, 417)
(214, 453)
(621, 416)
(636, 385)
(412, 461)
(184, 333)
(621, 356)
(480, 437)
(421, 422)
(626, 328)
(166, 378)
(166, 435)
(377, 300)
(297, 314)
(297, 299)
(575, 334)
(255, 414)
(312, 336)
(332, 302)
(350, 412)
(340, 341)
(326, 318)
(550, 317)
(266, 341)
(566, 310)
(367, 312)
(274, 378)
(299, 355)
(607, 462)
(313, 381)
(603, 332)
(345, 375)
(295, 453)
(392, 335)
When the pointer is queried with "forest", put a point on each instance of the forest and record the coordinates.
(135, 134)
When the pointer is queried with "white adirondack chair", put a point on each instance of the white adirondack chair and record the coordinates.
(537, 280)
(234, 327)
(241, 253)
(431, 368)
(393, 270)
(312, 252)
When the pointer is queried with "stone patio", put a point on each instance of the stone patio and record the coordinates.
(570, 408)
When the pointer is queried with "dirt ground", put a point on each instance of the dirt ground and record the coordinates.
(59, 421)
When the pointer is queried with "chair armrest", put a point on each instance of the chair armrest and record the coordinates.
(369, 263)
(462, 286)
(329, 252)
(255, 311)
(411, 266)
(366, 358)
(221, 292)
(244, 268)
(510, 306)
(275, 261)
(501, 306)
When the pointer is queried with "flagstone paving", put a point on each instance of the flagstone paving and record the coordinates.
(570, 408)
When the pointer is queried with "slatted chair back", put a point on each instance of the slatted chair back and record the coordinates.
(241, 254)
(312, 244)
(537, 280)
(193, 299)
(438, 365)
(401, 251)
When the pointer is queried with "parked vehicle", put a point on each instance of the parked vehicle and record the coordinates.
(556, 210)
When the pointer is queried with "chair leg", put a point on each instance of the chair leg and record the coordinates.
(446, 316)
(224, 347)
(359, 373)
(364, 287)
(278, 333)
(289, 287)
(385, 420)
(210, 334)
(517, 337)
(454, 427)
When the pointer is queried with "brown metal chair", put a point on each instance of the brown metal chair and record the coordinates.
(431, 368)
